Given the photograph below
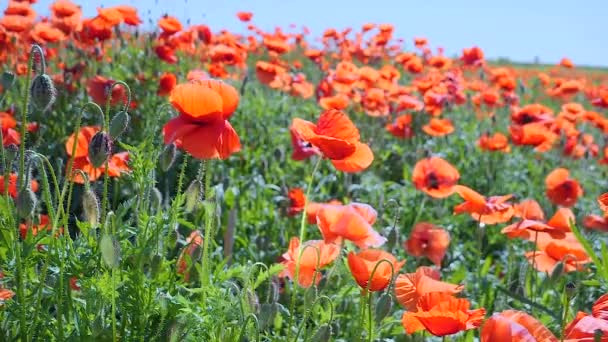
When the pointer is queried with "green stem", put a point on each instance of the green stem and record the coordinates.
(370, 322)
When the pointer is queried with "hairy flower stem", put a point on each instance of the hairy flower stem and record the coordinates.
(209, 208)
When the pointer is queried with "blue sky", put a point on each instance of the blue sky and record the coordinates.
(518, 29)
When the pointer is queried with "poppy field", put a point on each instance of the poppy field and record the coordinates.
(182, 183)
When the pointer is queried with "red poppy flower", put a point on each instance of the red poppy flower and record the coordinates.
(552, 251)
(517, 326)
(410, 287)
(438, 127)
(314, 255)
(244, 16)
(492, 210)
(363, 264)
(98, 88)
(584, 327)
(435, 177)
(428, 240)
(352, 222)
(401, 127)
(297, 201)
(561, 189)
(190, 254)
(166, 82)
(12, 185)
(202, 128)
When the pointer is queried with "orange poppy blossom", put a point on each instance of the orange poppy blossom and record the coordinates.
(585, 326)
(491, 210)
(338, 101)
(297, 201)
(596, 221)
(351, 222)
(497, 142)
(370, 271)
(244, 16)
(428, 240)
(301, 149)
(166, 83)
(552, 251)
(337, 138)
(97, 88)
(513, 325)
(561, 189)
(557, 226)
(12, 185)
(410, 287)
(438, 127)
(442, 314)
(529, 209)
(435, 177)
(192, 250)
(401, 127)
(5, 295)
(314, 255)
(202, 128)
(9, 133)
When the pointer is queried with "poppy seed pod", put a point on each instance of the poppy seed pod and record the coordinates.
(119, 124)
(99, 149)
(25, 203)
(42, 92)
(90, 207)
(8, 78)
(167, 156)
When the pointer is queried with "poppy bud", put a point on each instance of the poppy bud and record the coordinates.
(570, 289)
(392, 238)
(383, 307)
(99, 149)
(597, 335)
(267, 314)
(193, 195)
(11, 151)
(119, 123)
(90, 207)
(42, 92)
(253, 300)
(323, 334)
(8, 78)
(167, 157)
(557, 272)
(156, 199)
(155, 264)
(110, 250)
(25, 203)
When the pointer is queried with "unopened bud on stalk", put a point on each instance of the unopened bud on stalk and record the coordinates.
(268, 312)
(156, 199)
(155, 264)
(167, 157)
(11, 151)
(383, 307)
(110, 250)
(193, 195)
(99, 149)
(323, 334)
(8, 79)
(119, 124)
(42, 92)
(570, 289)
(90, 207)
(25, 203)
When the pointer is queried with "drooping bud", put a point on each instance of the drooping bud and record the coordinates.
(99, 149)
(90, 207)
(155, 264)
(25, 203)
(11, 152)
(193, 195)
(167, 157)
(557, 272)
(156, 199)
(268, 312)
(383, 307)
(8, 78)
(42, 92)
(119, 124)
(110, 250)
(323, 334)
(570, 289)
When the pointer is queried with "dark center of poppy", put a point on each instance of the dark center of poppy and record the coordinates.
(432, 180)
(526, 118)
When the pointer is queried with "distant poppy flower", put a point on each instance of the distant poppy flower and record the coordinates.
(497, 142)
(529, 209)
(491, 210)
(557, 226)
(352, 222)
(338, 101)
(438, 127)
(313, 254)
(190, 254)
(297, 200)
(12, 185)
(401, 127)
(374, 102)
(566, 63)
(362, 267)
(428, 240)
(167, 82)
(202, 128)
(513, 325)
(98, 88)
(41, 225)
(442, 314)
(602, 200)
(410, 287)
(472, 56)
(552, 251)
(166, 53)
(435, 177)
(561, 189)
(337, 138)
(170, 25)
(5, 295)
(244, 16)
(129, 15)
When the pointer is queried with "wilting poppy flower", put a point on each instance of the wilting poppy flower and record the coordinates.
(428, 240)
(438, 127)
(12, 185)
(351, 222)
(561, 189)
(585, 327)
(297, 200)
(442, 314)
(166, 83)
(513, 325)
(202, 128)
(337, 138)
(363, 264)
(435, 177)
(410, 287)
(497, 142)
(190, 254)
(117, 163)
(494, 209)
(401, 127)
(314, 255)
(551, 251)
